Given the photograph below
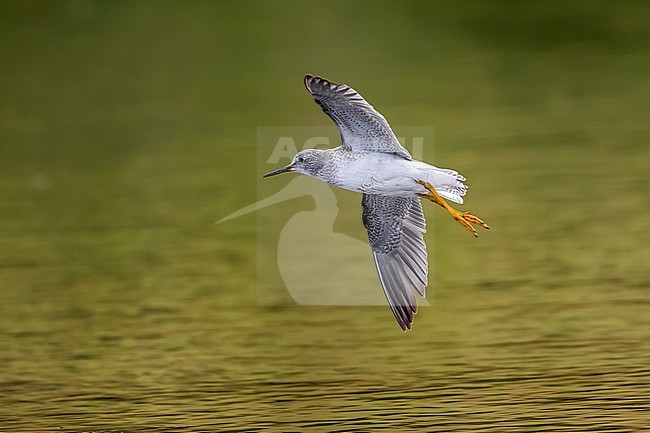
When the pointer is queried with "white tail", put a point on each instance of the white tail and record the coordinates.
(448, 183)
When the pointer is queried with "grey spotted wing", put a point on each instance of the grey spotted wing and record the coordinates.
(362, 127)
(395, 228)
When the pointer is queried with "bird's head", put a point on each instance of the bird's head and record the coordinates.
(308, 161)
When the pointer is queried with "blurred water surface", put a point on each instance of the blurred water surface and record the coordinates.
(128, 128)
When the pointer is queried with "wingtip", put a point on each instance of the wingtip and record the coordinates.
(404, 321)
(315, 83)
(308, 80)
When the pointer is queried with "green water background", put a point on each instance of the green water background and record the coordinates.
(128, 128)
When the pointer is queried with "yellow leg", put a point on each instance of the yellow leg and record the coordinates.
(465, 218)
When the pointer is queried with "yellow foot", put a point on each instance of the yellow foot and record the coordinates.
(464, 218)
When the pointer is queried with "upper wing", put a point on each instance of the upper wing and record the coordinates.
(362, 127)
(395, 226)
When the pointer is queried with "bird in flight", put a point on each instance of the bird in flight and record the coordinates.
(370, 160)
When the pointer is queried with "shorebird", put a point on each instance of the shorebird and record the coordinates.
(370, 160)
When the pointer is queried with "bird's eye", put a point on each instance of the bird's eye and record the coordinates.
(300, 159)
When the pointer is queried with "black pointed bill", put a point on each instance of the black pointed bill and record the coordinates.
(286, 169)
